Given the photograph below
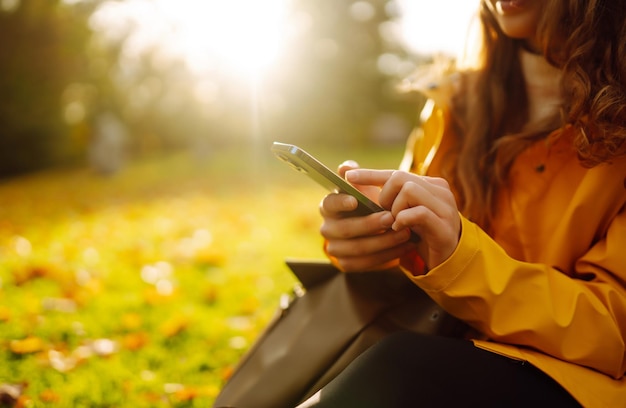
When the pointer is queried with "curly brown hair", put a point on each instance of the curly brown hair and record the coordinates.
(586, 39)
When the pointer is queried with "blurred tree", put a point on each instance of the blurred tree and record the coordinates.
(343, 71)
(42, 46)
(335, 82)
(61, 70)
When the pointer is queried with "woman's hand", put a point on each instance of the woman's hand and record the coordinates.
(360, 243)
(423, 204)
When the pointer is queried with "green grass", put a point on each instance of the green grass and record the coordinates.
(143, 289)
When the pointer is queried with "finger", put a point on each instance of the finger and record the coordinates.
(369, 177)
(391, 181)
(442, 235)
(405, 190)
(379, 261)
(413, 194)
(366, 253)
(363, 246)
(356, 227)
(335, 204)
(437, 181)
(419, 218)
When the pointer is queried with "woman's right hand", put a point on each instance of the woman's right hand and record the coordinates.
(360, 243)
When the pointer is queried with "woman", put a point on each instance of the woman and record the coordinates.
(522, 217)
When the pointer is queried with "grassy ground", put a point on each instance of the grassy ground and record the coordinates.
(144, 288)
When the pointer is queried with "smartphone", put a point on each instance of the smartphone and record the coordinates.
(305, 163)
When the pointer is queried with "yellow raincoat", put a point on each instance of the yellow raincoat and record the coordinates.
(549, 285)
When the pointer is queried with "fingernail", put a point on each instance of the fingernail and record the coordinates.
(350, 202)
(351, 175)
(387, 220)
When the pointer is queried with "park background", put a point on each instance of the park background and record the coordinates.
(144, 223)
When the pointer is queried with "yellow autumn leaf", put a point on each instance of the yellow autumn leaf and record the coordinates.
(135, 341)
(227, 372)
(153, 297)
(23, 402)
(21, 277)
(49, 396)
(210, 294)
(5, 314)
(174, 326)
(211, 391)
(186, 394)
(131, 321)
(28, 345)
(209, 256)
(250, 305)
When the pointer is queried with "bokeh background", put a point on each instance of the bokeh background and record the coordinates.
(107, 81)
(143, 221)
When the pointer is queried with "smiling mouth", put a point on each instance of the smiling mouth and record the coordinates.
(510, 6)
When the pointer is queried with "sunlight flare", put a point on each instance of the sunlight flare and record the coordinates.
(239, 37)
(436, 27)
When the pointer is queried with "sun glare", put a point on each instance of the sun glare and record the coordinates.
(236, 37)
(244, 35)
(244, 38)
(436, 26)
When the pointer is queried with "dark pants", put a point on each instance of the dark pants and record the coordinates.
(411, 370)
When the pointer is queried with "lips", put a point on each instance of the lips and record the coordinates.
(511, 6)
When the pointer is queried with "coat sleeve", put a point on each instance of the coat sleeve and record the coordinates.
(580, 319)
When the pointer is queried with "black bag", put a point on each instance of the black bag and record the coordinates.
(325, 325)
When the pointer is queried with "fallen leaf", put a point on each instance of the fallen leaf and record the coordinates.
(83, 353)
(239, 323)
(5, 314)
(183, 393)
(210, 294)
(49, 396)
(10, 393)
(131, 321)
(28, 345)
(29, 274)
(23, 401)
(186, 394)
(153, 397)
(250, 305)
(210, 257)
(238, 342)
(153, 297)
(227, 372)
(174, 326)
(135, 341)
(171, 388)
(59, 305)
(61, 362)
(104, 347)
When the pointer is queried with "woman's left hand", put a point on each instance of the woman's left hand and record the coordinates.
(426, 205)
